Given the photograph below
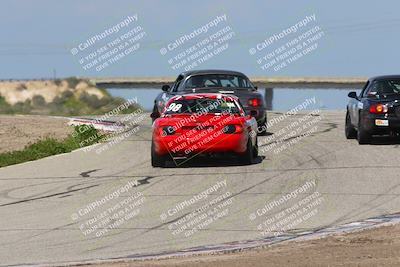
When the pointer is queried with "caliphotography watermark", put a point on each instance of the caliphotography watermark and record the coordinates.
(293, 133)
(109, 212)
(289, 45)
(192, 49)
(132, 126)
(113, 127)
(295, 125)
(212, 204)
(107, 47)
(288, 211)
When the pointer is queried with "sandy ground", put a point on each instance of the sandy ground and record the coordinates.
(17, 131)
(376, 247)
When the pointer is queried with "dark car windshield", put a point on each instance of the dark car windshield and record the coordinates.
(202, 106)
(217, 80)
(384, 88)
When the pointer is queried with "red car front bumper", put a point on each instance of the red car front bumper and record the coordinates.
(215, 142)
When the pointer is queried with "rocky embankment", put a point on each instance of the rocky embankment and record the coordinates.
(70, 96)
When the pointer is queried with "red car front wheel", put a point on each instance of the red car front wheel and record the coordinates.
(157, 160)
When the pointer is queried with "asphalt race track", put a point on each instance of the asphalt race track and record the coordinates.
(42, 203)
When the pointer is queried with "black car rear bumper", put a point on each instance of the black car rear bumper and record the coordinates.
(261, 115)
(381, 124)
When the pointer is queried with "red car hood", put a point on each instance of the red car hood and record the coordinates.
(182, 120)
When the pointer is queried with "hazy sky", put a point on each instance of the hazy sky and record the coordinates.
(361, 37)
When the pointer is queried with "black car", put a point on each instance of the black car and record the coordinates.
(375, 111)
(216, 81)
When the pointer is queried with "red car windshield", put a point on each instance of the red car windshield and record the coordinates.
(204, 106)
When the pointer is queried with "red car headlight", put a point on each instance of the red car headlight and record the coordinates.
(232, 129)
(378, 109)
(167, 130)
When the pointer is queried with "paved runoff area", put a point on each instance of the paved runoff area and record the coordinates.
(107, 202)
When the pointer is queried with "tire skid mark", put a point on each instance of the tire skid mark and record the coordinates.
(47, 196)
(86, 173)
(330, 127)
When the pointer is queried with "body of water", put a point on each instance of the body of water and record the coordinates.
(282, 100)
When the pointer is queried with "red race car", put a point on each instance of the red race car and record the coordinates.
(205, 123)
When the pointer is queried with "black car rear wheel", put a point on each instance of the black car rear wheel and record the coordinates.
(349, 130)
(262, 127)
(363, 136)
(255, 149)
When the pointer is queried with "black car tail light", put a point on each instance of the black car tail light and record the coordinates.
(378, 109)
(254, 102)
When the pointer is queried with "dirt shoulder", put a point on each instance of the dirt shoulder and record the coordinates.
(376, 247)
(17, 131)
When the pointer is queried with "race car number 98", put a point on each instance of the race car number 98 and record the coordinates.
(174, 107)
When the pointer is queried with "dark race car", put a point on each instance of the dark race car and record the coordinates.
(216, 81)
(375, 111)
(204, 124)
